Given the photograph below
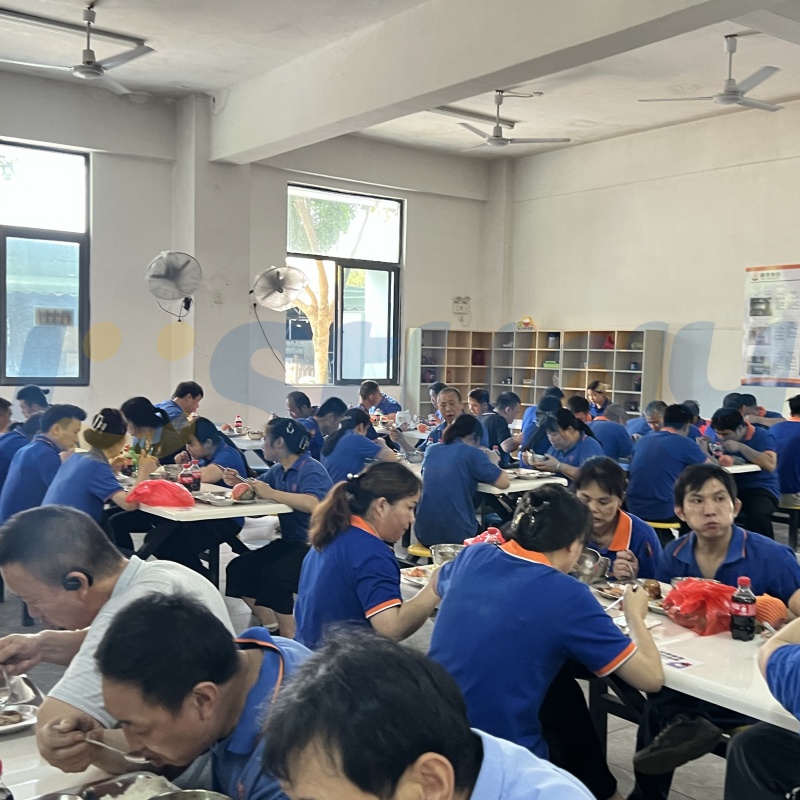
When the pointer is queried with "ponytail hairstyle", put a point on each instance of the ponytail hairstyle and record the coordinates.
(351, 418)
(549, 519)
(354, 496)
(139, 411)
(563, 418)
(463, 427)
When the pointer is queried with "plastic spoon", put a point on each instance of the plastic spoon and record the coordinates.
(127, 756)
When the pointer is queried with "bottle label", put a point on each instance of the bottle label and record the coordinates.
(743, 609)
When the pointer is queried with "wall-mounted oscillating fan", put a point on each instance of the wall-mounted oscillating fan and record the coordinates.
(278, 287)
(174, 276)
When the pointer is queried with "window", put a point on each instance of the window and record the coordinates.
(44, 258)
(345, 327)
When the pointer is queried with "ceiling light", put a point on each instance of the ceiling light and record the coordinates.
(460, 113)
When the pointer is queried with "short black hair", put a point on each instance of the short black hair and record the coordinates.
(732, 400)
(479, 395)
(333, 405)
(367, 388)
(164, 646)
(139, 411)
(4, 404)
(549, 518)
(300, 399)
(677, 416)
(578, 404)
(49, 541)
(188, 387)
(463, 426)
(727, 419)
(605, 472)
(507, 400)
(59, 413)
(794, 404)
(33, 424)
(695, 477)
(749, 400)
(352, 699)
(693, 406)
(33, 395)
(553, 391)
(436, 387)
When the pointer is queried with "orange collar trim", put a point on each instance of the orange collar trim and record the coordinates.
(792, 419)
(668, 430)
(601, 418)
(750, 431)
(515, 549)
(622, 534)
(360, 522)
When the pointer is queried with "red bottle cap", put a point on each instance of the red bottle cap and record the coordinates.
(743, 581)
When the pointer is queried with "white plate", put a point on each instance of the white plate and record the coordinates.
(28, 713)
(653, 605)
(416, 579)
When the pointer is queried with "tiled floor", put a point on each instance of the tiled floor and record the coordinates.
(701, 779)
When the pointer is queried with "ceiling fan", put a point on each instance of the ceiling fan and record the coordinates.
(90, 69)
(733, 94)
(496, 139)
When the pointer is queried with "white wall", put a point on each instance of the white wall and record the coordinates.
(658, 228)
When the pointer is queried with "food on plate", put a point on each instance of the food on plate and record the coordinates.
(653, 588)
(243, 491)
(611, 591)
(10, 718)
(418, 572)
(144, 787)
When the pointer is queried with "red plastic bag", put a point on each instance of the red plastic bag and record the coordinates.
(489, 536)
(703, 606)
(161, 493)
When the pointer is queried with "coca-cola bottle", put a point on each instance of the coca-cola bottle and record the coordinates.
(185, 478)
(743, 611)
(238, 424)
(197, 475)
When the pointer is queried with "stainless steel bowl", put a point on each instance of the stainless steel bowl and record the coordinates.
(591, 566)
(190, 794)
(445, 552)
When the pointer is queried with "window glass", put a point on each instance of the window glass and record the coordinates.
(42, 308)
(42, 189)
(339, 225)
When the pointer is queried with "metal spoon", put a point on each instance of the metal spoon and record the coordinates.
(127, 756)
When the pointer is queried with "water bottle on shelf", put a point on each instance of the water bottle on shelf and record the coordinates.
(743, 611)
(197, 476)
(238, 424)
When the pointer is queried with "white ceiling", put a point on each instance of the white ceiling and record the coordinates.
(599, 100)
(207, 45)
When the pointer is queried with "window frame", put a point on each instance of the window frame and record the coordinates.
(392, 267)
(83, 240)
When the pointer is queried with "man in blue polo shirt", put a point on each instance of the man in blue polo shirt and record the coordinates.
(374, 401)
(35, 465)
(323, 423)
(179, 685)
(761, 762)
(185, 402)
(317, 737)
(657, 461)
(15, 440)
(787, 441)
(612, 433)
(759, 492)
(677, 728)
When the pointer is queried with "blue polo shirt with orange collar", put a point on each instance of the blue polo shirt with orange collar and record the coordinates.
(386, 405)
(637, 536)
(656, 463)
(236, 760)
(435, 436)
(771, 567)
(787, 442)
(581, 451)
(305, 476)
(761, 440)
(32, 470)
(347, 582)
(316, 439)
(500, 633)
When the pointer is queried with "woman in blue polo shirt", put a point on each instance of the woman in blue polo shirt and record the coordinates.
(267, 579)
(351, 575)
(346, 451)
(452, 471)
(597, 395)
(571, 443)
(631, 545)
(513, 611)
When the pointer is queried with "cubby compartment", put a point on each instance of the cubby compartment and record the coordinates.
(575, 340)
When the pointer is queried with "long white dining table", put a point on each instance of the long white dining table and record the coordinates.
(519, 481)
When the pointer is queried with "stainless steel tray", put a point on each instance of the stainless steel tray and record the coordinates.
(108, 787)
(25, 697)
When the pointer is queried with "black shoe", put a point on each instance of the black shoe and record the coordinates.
(683, 740)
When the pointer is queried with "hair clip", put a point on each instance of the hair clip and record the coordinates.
(99, 422)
